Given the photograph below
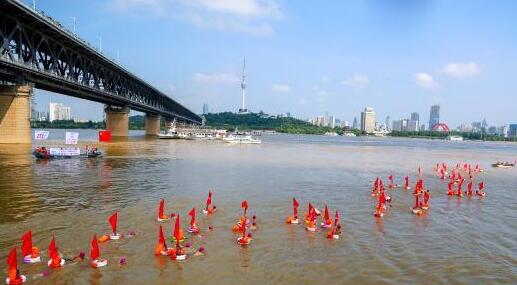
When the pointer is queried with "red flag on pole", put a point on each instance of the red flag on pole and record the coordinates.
(295, 208)
(209, 199)
(244, 205)
(177, 228)
(192, 215)
(52, 249)
(27, 243)
(161, 209)
(94, 251)
(113, 222)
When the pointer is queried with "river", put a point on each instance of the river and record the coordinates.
(459, 241)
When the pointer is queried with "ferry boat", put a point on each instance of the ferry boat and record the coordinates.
(171, 132)
(503, 165)
(70, 152)
(241, 139)
(454, 138)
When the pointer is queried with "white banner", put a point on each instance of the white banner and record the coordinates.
(69, 151)
(72, 138)
(41, 135)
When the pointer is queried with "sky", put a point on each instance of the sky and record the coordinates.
(310, 57)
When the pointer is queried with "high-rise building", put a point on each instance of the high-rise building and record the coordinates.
(332, 122)
(388, 123)
(434, 116)
(58, 112)
(512, 130)
(368, 120)
(205, 109)
(355, 124)
(320, 121)
(415, 116)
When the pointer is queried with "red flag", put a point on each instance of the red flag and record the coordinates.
(27, 243)
(192, 215)
(94, 251)
(209, 199)
(336, 218)
(104, 136)
(177, 228)
(481, 185)
(160, 209)
(113, 222)
(327, 215)
(244, 205)
(161, 237)
(295, 207)
(52, 249)
(12, 262)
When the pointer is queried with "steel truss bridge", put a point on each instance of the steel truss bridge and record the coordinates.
(36, 49)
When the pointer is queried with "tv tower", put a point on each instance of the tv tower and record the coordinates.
(243, 88)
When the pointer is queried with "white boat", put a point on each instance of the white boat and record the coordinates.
(454, 138)
(349, 134)
(331, 134)
(241, 139)
(171, 132)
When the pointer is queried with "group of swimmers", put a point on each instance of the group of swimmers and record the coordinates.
(333, 227)
(422, 195)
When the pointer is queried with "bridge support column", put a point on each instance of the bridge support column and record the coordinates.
(152, 124)
(117, 121)
(15, 125)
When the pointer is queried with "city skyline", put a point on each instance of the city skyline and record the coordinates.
(356, 58)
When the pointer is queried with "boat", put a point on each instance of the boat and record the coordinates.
(454, 138)
(347, 134)
(241, 139)
(503, 165)
(171, 133)
(331, 134)
(69, 152)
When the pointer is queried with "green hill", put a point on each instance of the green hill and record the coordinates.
(261, 121)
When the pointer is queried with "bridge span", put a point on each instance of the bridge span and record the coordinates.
(36, 51)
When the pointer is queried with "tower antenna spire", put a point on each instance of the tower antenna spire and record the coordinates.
(243, 88)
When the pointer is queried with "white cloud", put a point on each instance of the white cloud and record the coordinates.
(319, 91)
(244, 16)
(356, 81)
(425, 80)
(281, 88)
(216, 78)
(461, 70)
(325, 79)
(240, 8)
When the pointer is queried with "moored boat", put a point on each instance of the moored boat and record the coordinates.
(503, 165)
(59, 152)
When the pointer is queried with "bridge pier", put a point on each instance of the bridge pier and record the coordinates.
(152, 124)
(15, 125)
(117, 121)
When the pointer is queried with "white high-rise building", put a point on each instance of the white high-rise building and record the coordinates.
(368, 120)
(332, 122)
(58, 112)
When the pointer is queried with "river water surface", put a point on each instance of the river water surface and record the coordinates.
(460, 240)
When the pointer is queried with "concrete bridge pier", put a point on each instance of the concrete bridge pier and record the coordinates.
(117, 120)
(15, 125)
(152, 124)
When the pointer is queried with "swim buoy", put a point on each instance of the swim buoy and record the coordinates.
(53, 265)
(115, 236)
(19, 280)
(292, 220)
(417, 211)
(193, 230)
(99, 263)
(30, 259)
(244, 240)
